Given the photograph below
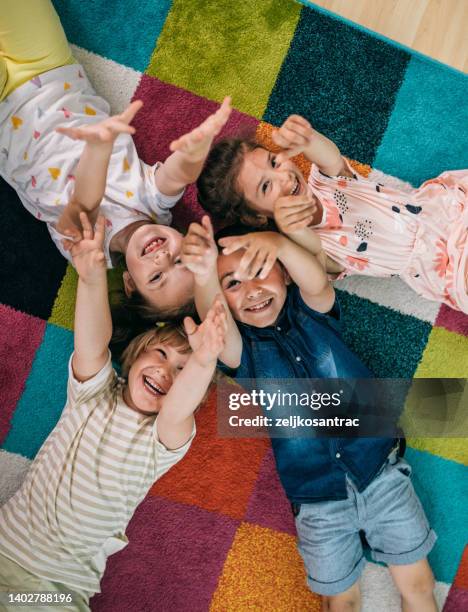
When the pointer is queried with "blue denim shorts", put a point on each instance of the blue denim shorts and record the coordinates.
(391, 516)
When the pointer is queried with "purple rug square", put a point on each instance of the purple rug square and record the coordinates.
(20, 337)
(456, 601)
(268, 505)
(173, 561)
(453, 320)
(170, 112)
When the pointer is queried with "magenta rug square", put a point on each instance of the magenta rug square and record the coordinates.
(268, 506)
(173, 561)
(20, 337)
(453, 320)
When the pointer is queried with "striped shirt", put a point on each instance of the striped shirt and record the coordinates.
(91, 473)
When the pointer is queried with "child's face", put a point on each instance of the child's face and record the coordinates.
(155, 269)
(262, 180)
(256, 302)
(151, 376)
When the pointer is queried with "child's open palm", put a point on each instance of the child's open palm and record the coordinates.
(196, 144)
(199, 250)
(295, 135)
(87, 254)
(208, 339)
(105, 132)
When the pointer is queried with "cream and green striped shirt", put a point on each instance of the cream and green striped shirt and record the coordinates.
(91, 473)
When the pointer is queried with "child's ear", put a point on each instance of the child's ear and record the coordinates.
(129, 285)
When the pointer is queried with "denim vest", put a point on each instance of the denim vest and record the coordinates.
(306, 344)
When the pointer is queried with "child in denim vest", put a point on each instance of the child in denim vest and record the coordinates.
(283, 323)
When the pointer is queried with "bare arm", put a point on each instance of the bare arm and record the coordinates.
(296, 135)
(189, 153)
(199, 254)
(175, 419)
(91, 172)
(93, 325)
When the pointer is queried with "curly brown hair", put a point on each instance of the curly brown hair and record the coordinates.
(218, 191)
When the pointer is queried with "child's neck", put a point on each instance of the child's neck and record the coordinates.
(119, 242)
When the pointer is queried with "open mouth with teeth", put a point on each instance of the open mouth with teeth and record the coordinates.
(152, 386)
(296, 188)
(261, 306)
(153, 245)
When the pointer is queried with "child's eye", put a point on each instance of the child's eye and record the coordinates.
(273, 161)
(178, 261)
(265, 186)
(156, 277)
(162, 353)
(232, 283)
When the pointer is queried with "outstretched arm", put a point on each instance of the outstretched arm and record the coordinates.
(175, 419)
(189, 153)
(91, 172)
(199, 254)
(93, 325)
(296, 135)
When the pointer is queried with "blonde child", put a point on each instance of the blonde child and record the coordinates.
(364, 227)
(45, 97)
(283, 323)
(114, 438)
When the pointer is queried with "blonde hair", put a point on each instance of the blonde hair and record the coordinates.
(170, 334)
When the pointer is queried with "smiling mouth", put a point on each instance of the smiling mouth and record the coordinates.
(260, 306)
(296, 187)
(153, 245)
(153, 386)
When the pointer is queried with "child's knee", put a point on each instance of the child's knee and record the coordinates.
(418, 586)
(349, 601)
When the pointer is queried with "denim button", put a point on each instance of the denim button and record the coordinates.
(298, 358)
(338, 455)
(278, 328)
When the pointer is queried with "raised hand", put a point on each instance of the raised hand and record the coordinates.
(295, 136)
(294, 213)
(196, 144)
(105, 132)
(87, 254)
(199, 251)
(261, 252)
(208, 339)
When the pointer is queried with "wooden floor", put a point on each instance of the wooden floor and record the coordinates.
(438, 28)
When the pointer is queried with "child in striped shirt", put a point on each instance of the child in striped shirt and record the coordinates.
(114, 438)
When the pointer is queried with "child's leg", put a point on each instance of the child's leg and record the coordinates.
(416, 585)
(349, 601)
(32, 41)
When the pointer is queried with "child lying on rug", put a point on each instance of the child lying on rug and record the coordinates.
(283, 323)
(46, 95)
(365, 227)
(108, 447)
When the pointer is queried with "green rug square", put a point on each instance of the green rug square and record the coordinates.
(63, 312)
(445, 356)
(224, 48)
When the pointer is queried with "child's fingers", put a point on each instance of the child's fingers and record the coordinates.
(293, 137)
(268, 265)
(288, 153)
(73, 133)
(100, 230)
(67, 244)
(206, 223)
(246, 263)
(190, 326)
(298, 119)
(131, 110)
(86, 225)
(231, 244)
(299, 225)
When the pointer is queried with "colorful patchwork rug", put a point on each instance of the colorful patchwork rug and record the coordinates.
(216, 533)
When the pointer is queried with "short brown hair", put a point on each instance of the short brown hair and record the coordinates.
(173, 335)
(218, 191)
